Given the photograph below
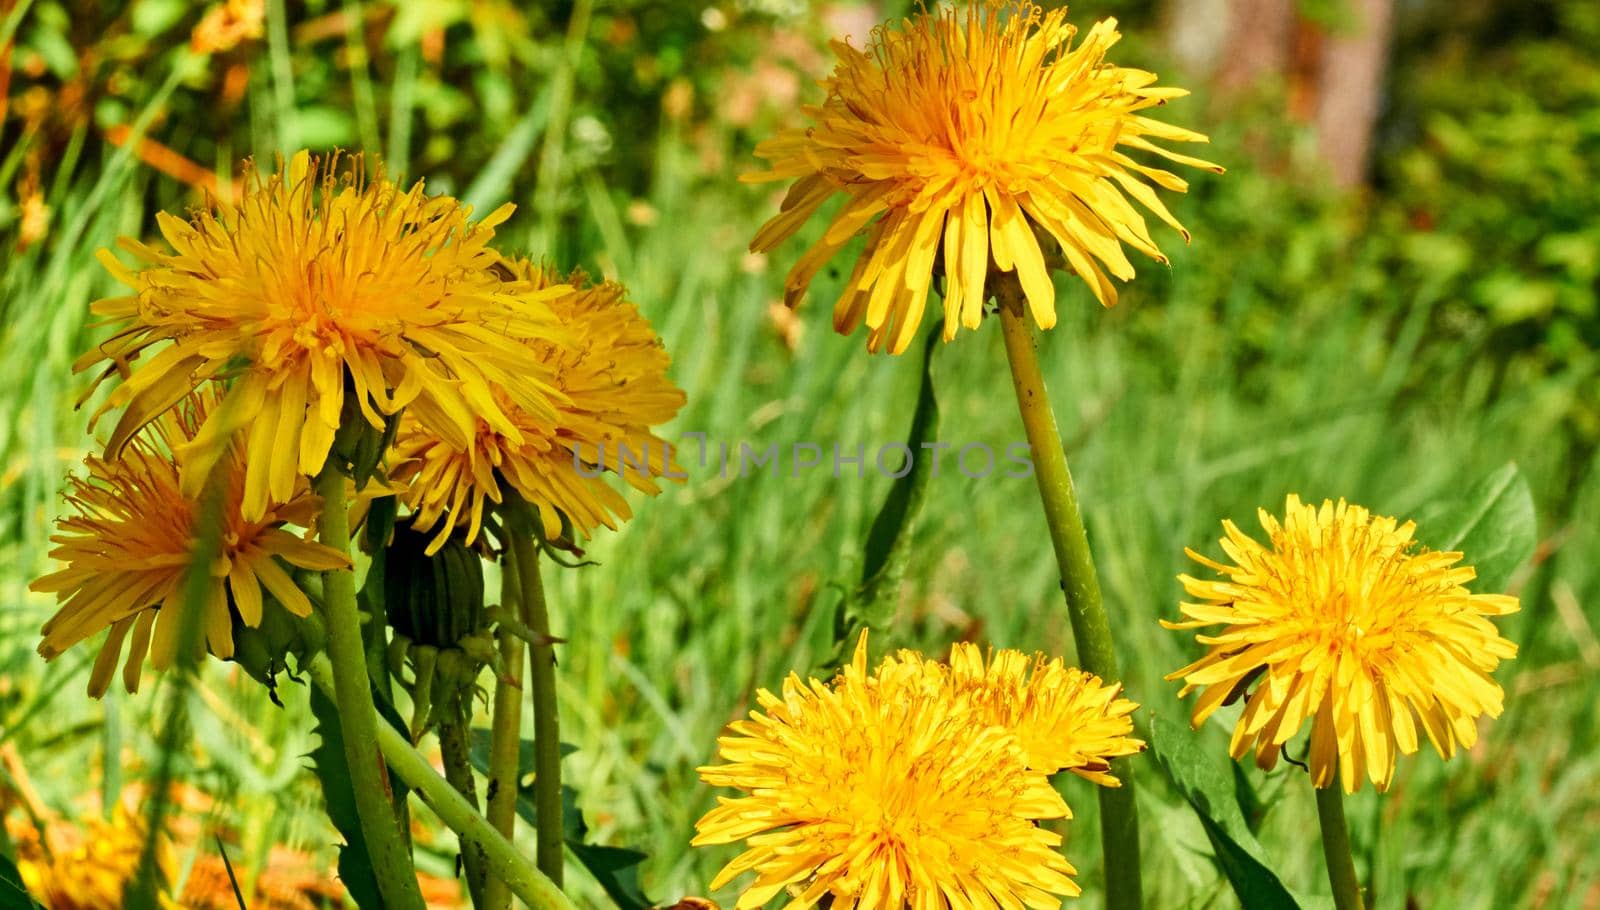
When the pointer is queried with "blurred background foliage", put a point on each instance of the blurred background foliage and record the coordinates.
(1392, 293)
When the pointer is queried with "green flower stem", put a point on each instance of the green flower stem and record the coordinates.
(546, 723)
(358, 716)
(1336, 848)
(455, 750)
(505, 863)
(1119, 818)
(505, 735)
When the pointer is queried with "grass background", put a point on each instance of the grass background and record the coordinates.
(1308, 341)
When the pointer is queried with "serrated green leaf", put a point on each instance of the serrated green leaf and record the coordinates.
(327, 762)
(1208, 785)
(1492, 524)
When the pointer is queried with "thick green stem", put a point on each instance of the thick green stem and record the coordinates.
(455, 751)
(546, 724)
(1119, 817)
(505, 738)
(505, 863)
(358, 716)
(1336, 848)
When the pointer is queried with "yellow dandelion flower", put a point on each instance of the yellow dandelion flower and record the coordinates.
(86, 866)
(960, 141)
(288, 880)
(310, 284)
(882, 792)
(1064, 718)
(1344, 622)
(227, 24)
(611, 374)
(131, 537)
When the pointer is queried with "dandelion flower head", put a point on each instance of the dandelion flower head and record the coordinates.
(1064, 718)
(86, 866)
(611, 375)
(317, 285)
(131, 535)
(881, 791)
(1342, 621)
(969, 141)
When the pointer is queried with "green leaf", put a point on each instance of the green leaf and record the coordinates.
(1257, 886)
(13, 896)
(481, 737)
(1493, 524)
(1208, 785)
(872, 604)
(327, 762)
(1250, 802)
(886, 540)
(479, 756)
(615, 869)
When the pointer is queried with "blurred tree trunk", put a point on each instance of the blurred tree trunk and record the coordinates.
(1353, 68)
(1333, 76)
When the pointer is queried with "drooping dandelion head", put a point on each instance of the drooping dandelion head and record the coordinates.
(1343, 621)
(882, 791)
(609, 370)
(972, 141)
(319, 285)
(131, 534)
(1064, 718)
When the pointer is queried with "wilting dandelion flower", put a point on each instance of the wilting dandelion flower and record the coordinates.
(882, 791)
(974, 140)
(311, 285)
(611, 373)
(1343, 621)
(1065, 719)
(130, 539)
